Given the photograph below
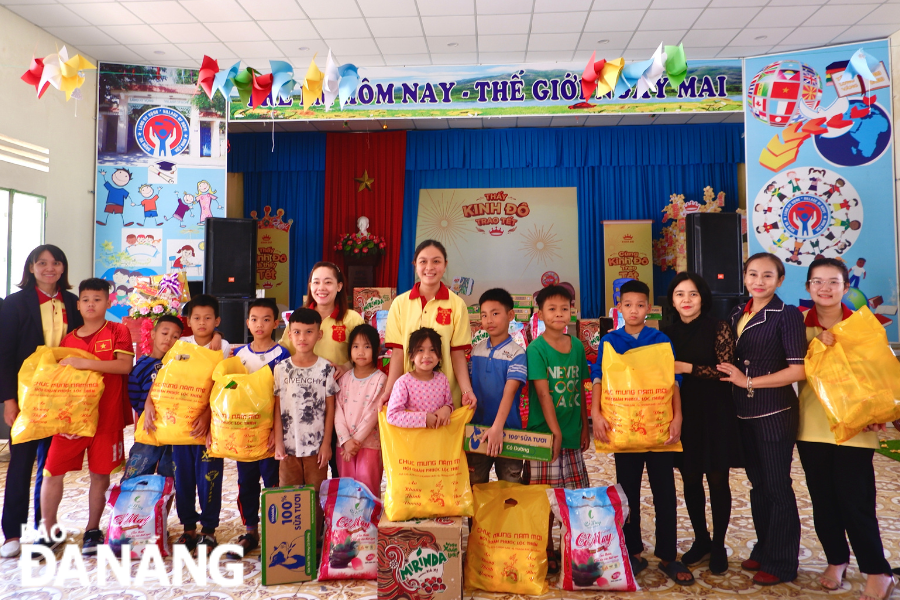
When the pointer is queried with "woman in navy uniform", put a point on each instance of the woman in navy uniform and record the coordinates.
(771, 346)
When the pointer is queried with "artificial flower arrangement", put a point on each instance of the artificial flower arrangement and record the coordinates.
(154, 297)
(357, 244)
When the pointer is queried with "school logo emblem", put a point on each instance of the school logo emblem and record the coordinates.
(339, 333)
(443, 316)
(162, 131)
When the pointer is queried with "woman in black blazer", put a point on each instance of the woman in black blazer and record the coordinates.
(771, 346)
(38, 315)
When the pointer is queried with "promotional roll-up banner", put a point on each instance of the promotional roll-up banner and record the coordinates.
(627, 254)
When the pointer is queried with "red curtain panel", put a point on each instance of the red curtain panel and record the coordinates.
(383, 156)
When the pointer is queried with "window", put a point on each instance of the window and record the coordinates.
(21, 230)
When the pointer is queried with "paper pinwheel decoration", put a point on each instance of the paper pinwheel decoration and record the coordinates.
(33, 76)
(590, 76)
(331, 84)
(631, 74)
(600, 76)
(262, 87)
(646, 74)
(243, 81)
(312, 84)
(676, 65)
(207, 77)
(225, 80)
(282, 80)
(349, 82)
(863, 65)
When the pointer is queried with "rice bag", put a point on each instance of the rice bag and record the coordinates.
(352, 513)
(54, 399)
(594, 555)
(243, 406)
(180, 394)
(508, 544)
(140, 510)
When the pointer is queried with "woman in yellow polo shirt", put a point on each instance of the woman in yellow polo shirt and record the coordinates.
(841, 479)
(326, 295)
(431, 304)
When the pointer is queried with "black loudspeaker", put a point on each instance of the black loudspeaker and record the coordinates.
(230, 258)
(713, 243)
(233, 320)
(723, 304)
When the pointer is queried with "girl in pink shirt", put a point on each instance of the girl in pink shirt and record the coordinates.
(421, 398)
(356, 412)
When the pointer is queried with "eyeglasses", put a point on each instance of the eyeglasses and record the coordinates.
(820, 283)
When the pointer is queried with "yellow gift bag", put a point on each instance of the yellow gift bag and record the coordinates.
(55, 399)
(426, 469)
(637, 399)
(858, 378)
(180, 394)
(242, 406)
(508, 543)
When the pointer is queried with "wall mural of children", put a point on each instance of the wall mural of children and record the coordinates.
(185, 205)
(149, 202)
(205, 196)
(185, 258)
(116, 195)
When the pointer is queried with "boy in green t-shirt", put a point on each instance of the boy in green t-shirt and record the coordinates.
(556, 368)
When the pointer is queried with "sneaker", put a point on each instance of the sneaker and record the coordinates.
(208, 540)
(53, 545)
(188, 540)
(92, 537)
(10, 549)
(249, 542)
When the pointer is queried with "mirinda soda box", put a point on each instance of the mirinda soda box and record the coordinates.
(288, 535)
(420, 559)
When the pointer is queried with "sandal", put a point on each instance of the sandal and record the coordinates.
(831, 584)
(638, 564)
(673, 569)
(553, 559)
(887, 593)
(249, 542)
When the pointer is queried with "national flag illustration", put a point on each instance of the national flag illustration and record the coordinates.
(785, 90)
(762, 88)
(785, 108)
(773, 119)
(759, 106)
(810, 92)
(835, 67)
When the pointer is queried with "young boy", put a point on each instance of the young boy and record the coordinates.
(556, 368)
(304, 397)
(634, 304)
(261, 352)
(498, 370)
(197, 474)
(144, 459)
(111, 343)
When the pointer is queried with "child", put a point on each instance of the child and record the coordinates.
(556, 368)
(304, 397)
(149, 203)
(356, 413)
(197, 474)
(261, 352)
(634, 305)
(111, 343)
(498, 370)
(144, 459)
(421, 398)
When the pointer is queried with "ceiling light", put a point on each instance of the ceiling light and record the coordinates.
(602, 41)
(453, 44)
(303, 48)
(760, 37)
(158, 52)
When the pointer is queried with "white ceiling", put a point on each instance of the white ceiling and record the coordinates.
(437, 32)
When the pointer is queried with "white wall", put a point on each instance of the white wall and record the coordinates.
(50, 122)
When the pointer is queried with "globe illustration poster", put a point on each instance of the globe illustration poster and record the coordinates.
(863, 142)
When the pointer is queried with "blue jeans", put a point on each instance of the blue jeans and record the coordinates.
(197, 475)
(144, 459)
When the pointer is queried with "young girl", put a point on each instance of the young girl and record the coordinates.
(205, 196)
(771, 346)
(356, 414)
(421, 398)
(841, 479)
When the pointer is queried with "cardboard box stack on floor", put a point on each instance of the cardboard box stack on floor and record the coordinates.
(420, 559)
(288, 540)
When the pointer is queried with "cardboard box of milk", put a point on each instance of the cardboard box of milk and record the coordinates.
(420, 559)
(288, 541)
(518, 444)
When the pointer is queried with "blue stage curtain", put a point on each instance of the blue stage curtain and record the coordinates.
(620, 173)
(292, 178)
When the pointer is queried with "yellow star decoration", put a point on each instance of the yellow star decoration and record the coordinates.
(365, 182)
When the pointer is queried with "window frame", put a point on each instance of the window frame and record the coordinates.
(9, 284)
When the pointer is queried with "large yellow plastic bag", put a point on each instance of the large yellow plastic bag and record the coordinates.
(426, 469)
(243, 406)
(55, 399)
(508, 543)
(180, 394)
(857, 379)
(637, 399)
(594, 554)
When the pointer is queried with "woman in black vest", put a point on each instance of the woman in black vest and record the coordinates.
(41, 314)
(771, 346)
(709, 429)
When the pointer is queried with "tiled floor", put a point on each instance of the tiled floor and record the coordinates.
(735, 583)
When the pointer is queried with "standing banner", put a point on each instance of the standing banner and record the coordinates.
(820, 168)
(273, 266)
(628, 254)
(516, 238)
(161, 170)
